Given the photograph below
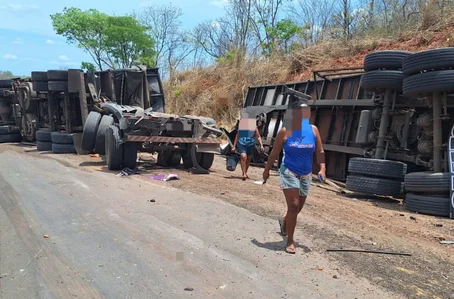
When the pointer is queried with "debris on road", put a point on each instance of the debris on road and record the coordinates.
(46, 236)
(447, 242)
(127, 172)
(163, 177)
(439, 225)
(189, 289)
(413, 218)
(369, 251)
(152, 200)
(94, 155)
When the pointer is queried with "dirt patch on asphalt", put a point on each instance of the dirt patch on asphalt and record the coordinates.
(331, 220)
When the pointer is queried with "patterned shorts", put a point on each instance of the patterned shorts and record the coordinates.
(289, 180)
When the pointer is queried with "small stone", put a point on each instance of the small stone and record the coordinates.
(46, 236)
(413, 218)
(152, 200)
(189, 289)
(401, 214)
(439, 225)
(335, 277)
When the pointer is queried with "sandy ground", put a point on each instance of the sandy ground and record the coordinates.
(329, 220)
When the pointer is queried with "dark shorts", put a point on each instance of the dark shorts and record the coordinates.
(289, 180)
(246, 149)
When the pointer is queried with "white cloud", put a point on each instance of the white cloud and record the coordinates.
(18, 40)
(219, 3)
(9, 56)
(18, 7)
(63, 58)
(49, 41)
(145, 4)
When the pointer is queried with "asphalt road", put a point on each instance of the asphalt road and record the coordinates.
(72, 233)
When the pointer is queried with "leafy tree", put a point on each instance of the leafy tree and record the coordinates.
(282, 34)
(111, 41)
(6, 75)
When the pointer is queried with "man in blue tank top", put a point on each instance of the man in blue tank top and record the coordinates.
(299, 140)
(245, 142)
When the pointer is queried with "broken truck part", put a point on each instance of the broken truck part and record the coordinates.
(385, 126)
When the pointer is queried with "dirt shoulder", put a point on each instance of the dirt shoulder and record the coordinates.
(332, 221)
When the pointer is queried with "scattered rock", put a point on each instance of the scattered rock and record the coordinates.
(189, 289)
(401, 214)
(413, 218)
(152, 200)
(439, 225)
(46, 236)
(335, 277)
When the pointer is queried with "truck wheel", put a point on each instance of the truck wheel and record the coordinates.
(130, 155)
(63, 148)
(175, 159)
(28, 126)
(377, 168)
(114, 150)
(430, 182)
(90, 131)
(428, 83)
(164, 158)
(382, 79)
(428, 204)
(57, 75)
(206, 160)
(430, 60)
(44, 135)
(62, 138)
(100, 142)
(391, 60)
(39, 76)
(40, 86)
(376, 186)
(14, 137)
(57, 86)
(44, 146)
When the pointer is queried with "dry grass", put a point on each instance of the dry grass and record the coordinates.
(219, 91)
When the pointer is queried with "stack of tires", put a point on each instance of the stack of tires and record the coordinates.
(39, 81)
(428, 193)
(57, 142)
(383, 70)
(374, 176)
(428, 71)
(57, 81)
(94, 134)
(9, 134)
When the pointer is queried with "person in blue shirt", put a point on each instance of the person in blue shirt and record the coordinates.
(299, 140)
(245, 142)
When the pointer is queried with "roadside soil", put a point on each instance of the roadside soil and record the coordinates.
(332, 219)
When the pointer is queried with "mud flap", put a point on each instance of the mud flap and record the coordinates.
(196, 168)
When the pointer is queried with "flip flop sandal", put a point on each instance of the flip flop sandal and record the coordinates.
(291, 252)
(281, 225)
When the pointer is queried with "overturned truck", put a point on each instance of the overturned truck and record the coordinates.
(386, 127)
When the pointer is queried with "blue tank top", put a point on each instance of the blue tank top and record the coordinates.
(246, 137)
(299, 150)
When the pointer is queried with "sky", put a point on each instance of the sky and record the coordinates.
(28, 42)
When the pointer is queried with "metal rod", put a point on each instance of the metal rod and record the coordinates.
(383, 125)
(437, 138)
(370, 251)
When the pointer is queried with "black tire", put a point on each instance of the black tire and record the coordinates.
(430, 60)
(130, 155)
(175, 159)
(57, 86)
(164, 158)
(8, 130)
(14, 137)
(44, 146)
(6, 83)
(57, 75)
(39, 76)
(377, 186)
(430, 182)
(187, 160)
(382, 79)
(90, 131)
(100, 142)
(378, 168)
(114, 150)
(206, 160)
(62, 138)
(428, 204)
(40, 86)
(428, 83)
(63, 148)
(44, 135)
(391, 60)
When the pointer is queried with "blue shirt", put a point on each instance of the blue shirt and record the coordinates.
(299, 150)
(246, 137)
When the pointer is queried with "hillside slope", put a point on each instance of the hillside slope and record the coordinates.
(218, 91)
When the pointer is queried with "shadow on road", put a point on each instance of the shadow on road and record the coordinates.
(279, 246)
